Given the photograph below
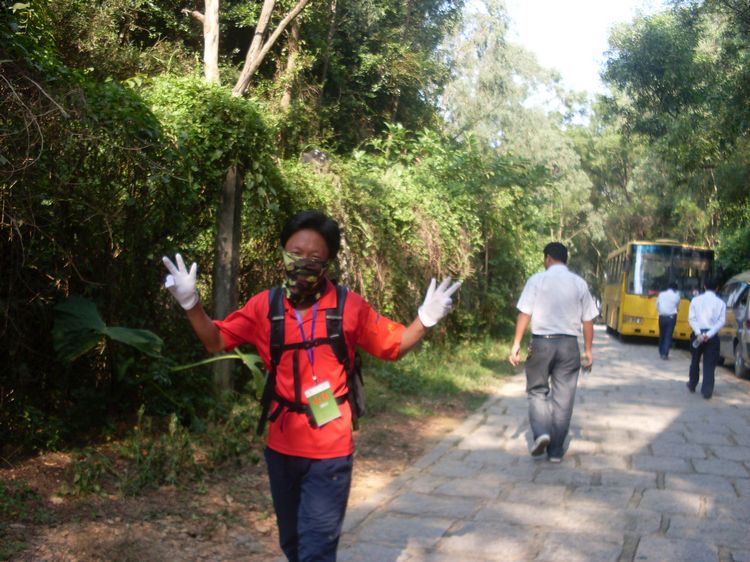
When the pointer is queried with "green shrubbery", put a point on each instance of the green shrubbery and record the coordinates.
(160, 451)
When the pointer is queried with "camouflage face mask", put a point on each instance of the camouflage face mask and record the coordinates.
(305, 278)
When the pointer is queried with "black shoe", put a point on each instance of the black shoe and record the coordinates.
(706, 396)
(690, 388)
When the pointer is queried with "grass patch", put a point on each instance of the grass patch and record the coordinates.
(19, 504)
(423, 382)
(8, 549)
(432, 381)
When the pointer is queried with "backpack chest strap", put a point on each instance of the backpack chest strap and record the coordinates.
(284, 404)
(308, 344)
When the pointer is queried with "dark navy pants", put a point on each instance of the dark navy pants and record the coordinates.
(666, 328)
(309, 497)
(710, 353)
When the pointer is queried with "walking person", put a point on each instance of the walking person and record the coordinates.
(667, 305)
(309, 447)
(706, 317)
(558, 305)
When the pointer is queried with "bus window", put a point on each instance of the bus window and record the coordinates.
(613, 270)
(690, 268)
(653, 267)
(649, 272)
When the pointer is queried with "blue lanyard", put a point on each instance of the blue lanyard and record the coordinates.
(310, 351)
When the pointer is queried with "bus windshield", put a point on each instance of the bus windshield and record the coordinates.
(653, 266)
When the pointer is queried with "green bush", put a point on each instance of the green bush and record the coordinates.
(119, 173)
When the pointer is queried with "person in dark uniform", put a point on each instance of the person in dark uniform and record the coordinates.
(706, 317)
(667, 304)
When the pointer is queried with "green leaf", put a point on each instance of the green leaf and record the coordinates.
(78, 328)
(250, 360)
(144, 341)
(77, 313)
(72, 345)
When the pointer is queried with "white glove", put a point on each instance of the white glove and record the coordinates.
(438, 303)
(181, 282)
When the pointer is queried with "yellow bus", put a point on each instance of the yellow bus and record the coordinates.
(638, 271)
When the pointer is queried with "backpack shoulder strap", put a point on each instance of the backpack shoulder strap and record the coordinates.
(335, 327)
(355, 385)
(276, 317)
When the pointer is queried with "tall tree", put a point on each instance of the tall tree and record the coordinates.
(495, 95)
(209, 19)
(260, 45)
(229, 223)
(682, 78)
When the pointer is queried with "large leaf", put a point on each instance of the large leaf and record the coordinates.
(253, 362)
(77, 313)
(143, 340)
(79, 328)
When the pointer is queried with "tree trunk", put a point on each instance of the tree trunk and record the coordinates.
(210, 22)
(226, 263)
(211, 41)
(407, 29)
(329, 45)
(291, 66)
(256, 53)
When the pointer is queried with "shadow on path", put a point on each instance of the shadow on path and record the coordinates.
(652, 472)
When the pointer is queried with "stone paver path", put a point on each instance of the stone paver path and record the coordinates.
(652, 473)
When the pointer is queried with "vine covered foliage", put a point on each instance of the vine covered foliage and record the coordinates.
(100, 177)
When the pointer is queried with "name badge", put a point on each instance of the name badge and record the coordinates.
(322, 403)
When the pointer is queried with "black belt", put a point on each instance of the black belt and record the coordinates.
(552, 336)
(669, 315)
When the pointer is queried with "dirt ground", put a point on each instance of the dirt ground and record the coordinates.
(229, 516)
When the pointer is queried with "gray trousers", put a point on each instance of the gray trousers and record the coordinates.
(552, 368)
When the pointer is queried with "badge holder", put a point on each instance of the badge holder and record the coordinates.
(322, 403)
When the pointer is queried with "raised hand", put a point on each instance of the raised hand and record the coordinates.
(437, 303)
(181, 282)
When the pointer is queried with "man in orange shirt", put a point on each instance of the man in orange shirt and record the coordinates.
(309, 463)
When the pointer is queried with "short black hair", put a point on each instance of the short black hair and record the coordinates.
(710, 284)
(556, 251)
(673, 285)
(317, 221)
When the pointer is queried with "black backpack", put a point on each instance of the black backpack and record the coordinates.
(335, 338)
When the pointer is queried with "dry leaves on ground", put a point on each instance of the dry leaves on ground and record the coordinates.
(228, 516)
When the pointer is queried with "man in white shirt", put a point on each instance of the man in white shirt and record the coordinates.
(667, 304)
(557, 303)
(706, 317)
